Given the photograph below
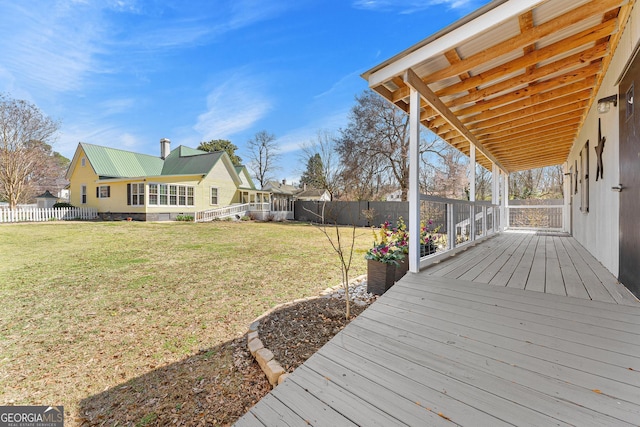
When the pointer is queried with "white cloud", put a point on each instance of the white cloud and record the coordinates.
(233, 107)
(409, 6)
(51, 47)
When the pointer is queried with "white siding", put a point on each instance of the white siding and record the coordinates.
(598, 230)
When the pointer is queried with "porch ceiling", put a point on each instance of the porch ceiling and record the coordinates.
(516, 78)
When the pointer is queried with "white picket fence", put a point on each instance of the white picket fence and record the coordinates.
(35, 214)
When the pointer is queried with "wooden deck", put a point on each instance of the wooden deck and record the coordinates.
(544, 262)
(437, 350)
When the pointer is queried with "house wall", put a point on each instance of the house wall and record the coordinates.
(117, 200)
(219, 177)
(83, 175)
(598, 229)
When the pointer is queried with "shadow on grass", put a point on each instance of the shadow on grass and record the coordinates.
(213, 387)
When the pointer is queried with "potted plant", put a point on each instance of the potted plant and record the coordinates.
(382, 260)
(400, 238)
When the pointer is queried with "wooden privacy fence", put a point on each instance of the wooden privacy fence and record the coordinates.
(50, 214)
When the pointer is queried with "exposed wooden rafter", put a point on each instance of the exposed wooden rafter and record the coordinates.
(514, 96)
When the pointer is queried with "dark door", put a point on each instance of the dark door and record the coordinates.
(630, 180)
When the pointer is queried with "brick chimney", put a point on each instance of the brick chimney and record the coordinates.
(165, 148)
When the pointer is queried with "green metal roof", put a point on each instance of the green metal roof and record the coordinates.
(187, 161)
(114, 163)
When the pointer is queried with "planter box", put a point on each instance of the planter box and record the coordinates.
(380, 276)
(402, 268)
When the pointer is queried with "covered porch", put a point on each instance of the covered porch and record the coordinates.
(526, 329)
(522, 329)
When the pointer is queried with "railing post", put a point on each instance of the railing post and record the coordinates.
(451, 232)
(472, 222)
(484, 220)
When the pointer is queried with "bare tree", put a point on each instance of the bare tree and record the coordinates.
(449, 174)
(375, 144)
(263, 156)
(323, 148)
(542, 183)
(342, 243)
(24, 131)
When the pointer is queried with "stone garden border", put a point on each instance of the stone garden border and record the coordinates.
(274, 372)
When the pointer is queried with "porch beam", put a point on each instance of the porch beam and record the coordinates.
(414, 81)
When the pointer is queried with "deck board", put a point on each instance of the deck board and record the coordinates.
(437, 350)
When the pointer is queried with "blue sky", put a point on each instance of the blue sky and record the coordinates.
(126, 73)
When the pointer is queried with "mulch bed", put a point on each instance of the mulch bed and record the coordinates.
(293, 333)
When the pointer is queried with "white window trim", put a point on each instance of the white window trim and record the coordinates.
(217, 196)
(168, 195)
(83, 194)
(137, 193)
(100, 187)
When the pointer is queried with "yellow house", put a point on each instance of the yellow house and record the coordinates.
(184, 181)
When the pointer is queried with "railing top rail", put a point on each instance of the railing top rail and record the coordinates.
(535, 206)
(438, 199)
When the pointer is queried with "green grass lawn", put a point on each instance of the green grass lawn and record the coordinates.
(88, 306)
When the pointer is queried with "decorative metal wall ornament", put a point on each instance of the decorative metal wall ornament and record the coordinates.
(599, 149)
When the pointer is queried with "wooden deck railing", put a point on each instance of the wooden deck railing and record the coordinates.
(538, 217)
(230, 211)
(454, 223)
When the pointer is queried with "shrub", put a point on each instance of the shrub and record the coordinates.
(246, 218)
(63, 205)
(186, 218)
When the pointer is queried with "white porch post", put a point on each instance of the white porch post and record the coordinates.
(566, 193)
(414, 185)
(505, 203)
(495, 192)
(472, 174)
(472, 191)
(495, 184)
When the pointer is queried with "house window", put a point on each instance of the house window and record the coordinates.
(173, 195)
(214, 196)
(190, 198)
(163, 194)
(135, 194)
(182, 195)
(153, 194)
(83, 194)
(103, 192)
(83, 162)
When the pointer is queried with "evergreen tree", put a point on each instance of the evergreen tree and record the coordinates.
(314, 175)
(222, 145)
